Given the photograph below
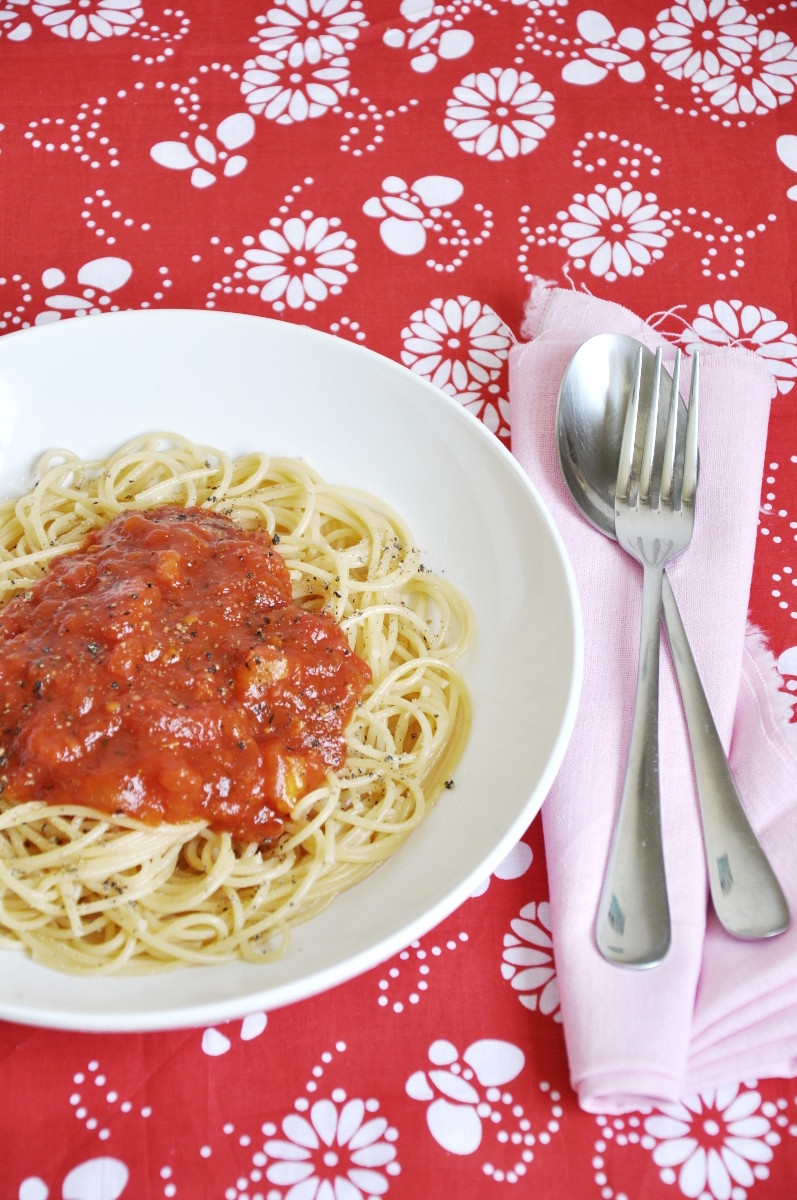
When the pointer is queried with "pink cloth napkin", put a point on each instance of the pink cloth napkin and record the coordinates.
(717, 1010)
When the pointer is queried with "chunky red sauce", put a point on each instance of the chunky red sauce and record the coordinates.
(163, 670)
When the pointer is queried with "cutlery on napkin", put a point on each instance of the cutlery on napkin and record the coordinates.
(717, 1010)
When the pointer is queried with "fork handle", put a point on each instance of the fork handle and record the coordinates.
(633, 925)
(745, 892)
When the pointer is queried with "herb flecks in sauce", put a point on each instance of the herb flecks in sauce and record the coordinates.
(163, 670)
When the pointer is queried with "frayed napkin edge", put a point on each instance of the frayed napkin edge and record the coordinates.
(543, 292)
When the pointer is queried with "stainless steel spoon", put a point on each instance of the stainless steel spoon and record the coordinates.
(593, 397)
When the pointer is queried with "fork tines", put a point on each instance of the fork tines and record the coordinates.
(629, 434)
(646, 473)
(690, 458)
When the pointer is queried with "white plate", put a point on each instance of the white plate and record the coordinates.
(242, 382)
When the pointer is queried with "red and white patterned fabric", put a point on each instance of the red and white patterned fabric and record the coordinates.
(397, 173)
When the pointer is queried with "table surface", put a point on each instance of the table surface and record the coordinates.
(645, 154)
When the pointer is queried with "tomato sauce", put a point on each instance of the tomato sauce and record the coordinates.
(164, 671)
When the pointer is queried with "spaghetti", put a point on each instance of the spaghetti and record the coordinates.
(88, 892)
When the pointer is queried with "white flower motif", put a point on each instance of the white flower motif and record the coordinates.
(215, 1042)
(286, 94)
(457, 1095)
(432, 38)
(733, 323)
(528, 960)
(767, 78)
(719, 1141)
(786, 147)
(617, 230)
(97, 279)
(605, 51)
(89, 19)
(11, 24)
(301, 262)
(787, 661)
(499, 114)
(404, 209)
(695, 39)
(516, 863)
(95, 1179)
(233, 132)
(310, 31)
(459, 345)
(333, 1153)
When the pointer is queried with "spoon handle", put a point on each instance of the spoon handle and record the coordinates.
(747, 897)
(633, 924)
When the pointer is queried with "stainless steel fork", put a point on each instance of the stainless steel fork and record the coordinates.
(654, 518)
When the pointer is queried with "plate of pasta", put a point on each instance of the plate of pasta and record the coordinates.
(290, 653)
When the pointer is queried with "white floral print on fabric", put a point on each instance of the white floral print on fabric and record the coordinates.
(95, 1179)
(618, 227)
(776, 539)
(499, 114)
(766, 78)
(406, 978)
(407, 211)
(288, 93)
(216, 1042)
(741, 67)
(13, 24)
(696, 39)
(338, 1150)
(299, 262)
(528, 962)
(615, 231)
(734, 323)
(91, 20)
(787, 660)
(431, 33)
(97, 280)
(205, 160)
(410, 214)
(309, 31)
(604, 50)
(458, 1093)
(516, 864)
(461, 346)
(469, 1106)
(714, 1145)
(786, 147)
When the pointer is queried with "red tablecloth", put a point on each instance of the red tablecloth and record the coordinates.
(396, 174)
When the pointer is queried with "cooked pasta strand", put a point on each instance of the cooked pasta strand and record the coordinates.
(88, 893)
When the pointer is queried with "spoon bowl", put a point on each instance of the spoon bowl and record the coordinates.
(590, 416)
